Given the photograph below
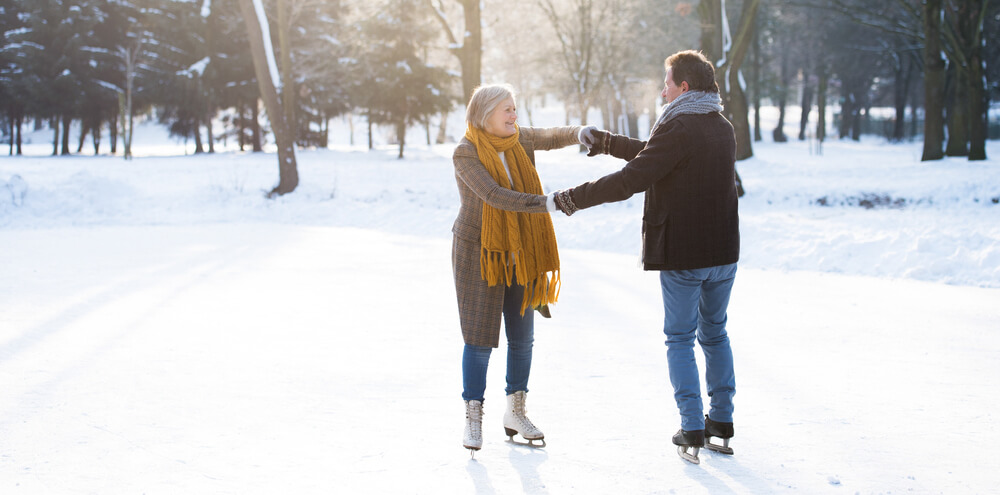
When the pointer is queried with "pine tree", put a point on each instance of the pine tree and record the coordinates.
(397, 86)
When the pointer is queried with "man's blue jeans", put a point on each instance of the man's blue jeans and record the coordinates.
(695, 303)
(520, 339)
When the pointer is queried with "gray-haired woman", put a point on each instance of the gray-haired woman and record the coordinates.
(504, 252)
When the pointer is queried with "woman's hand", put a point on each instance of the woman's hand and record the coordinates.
(598, 142)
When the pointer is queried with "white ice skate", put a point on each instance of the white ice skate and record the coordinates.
(515, 422)
(473, 439)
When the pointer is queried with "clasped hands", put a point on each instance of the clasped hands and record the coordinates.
(598, 142)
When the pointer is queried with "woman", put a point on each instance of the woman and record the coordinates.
(504, 253)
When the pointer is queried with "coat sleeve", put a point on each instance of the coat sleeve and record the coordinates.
(625, 147)
(550, 138)
(660, 156)
(473, 173)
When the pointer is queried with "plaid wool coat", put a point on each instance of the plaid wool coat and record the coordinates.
(479, 305)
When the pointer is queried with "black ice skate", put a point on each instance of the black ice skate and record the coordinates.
(689, 443)
(720, 430)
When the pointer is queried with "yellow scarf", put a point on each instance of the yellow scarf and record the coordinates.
(519, 242)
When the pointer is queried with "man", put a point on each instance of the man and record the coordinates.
(690, 229)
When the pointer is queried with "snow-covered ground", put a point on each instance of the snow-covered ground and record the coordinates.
(164, 328)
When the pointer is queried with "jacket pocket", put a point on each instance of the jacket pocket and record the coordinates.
(654, 240)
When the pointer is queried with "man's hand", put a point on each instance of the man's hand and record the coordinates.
(598, 142)
(564, 202)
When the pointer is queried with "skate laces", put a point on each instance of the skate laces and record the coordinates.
(474, 416)
(521, 413)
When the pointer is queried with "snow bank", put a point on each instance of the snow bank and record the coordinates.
(864, 208)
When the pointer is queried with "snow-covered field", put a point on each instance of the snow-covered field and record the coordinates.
(166, 329)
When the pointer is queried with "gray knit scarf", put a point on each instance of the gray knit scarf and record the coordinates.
(691, 102)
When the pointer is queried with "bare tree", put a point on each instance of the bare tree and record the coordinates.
(728, 53)
(268, 79)
(469, 50)
(578, 32)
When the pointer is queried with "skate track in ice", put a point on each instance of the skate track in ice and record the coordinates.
(262, 358)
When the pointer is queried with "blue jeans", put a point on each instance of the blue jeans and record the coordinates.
(695, 303)
(520, 339)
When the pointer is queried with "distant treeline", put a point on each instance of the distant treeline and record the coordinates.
(400, 63)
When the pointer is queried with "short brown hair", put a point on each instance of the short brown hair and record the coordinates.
(693, 67)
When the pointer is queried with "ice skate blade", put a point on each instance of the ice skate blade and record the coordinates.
(721, 449)
(692, 458)
(528, 442)
(472, 452)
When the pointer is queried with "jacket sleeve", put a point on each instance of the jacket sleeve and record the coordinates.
(473, 173)
(550, 138)
(625, 147)
(660, 156)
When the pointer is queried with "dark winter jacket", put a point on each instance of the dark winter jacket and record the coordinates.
(688, 171)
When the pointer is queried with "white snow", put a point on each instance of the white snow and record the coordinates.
(197, 68)
(166, 329)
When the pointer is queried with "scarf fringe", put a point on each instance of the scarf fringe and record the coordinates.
(496, 267)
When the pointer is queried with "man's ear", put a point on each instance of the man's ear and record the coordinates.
(684, 86)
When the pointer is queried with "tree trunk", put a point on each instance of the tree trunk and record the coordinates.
(257, 135)
(978, 107)
(738, 109)
(67, 121)
(20, 122)
(824, 79)
(779, 131)
(198, 146)
(806, 105)
(848, 107)
(442, 135)
(472, 47)
(728, 64)
(468, 50)
(288, 176)
(710, 13)
(371, 145)
(401, 137)
(241, 124)
(901, 95)
(113, 130)
(211, 136)
(350, 125)
(934, 79)
(55, 135)
(131, 55)
(287, 93)
(326, 129)
(977, 93)
(957, 112)
(756, 87)
(95, 135)
(84, 129)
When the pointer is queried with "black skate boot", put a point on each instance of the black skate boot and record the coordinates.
(685, 440)
(720, 430)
